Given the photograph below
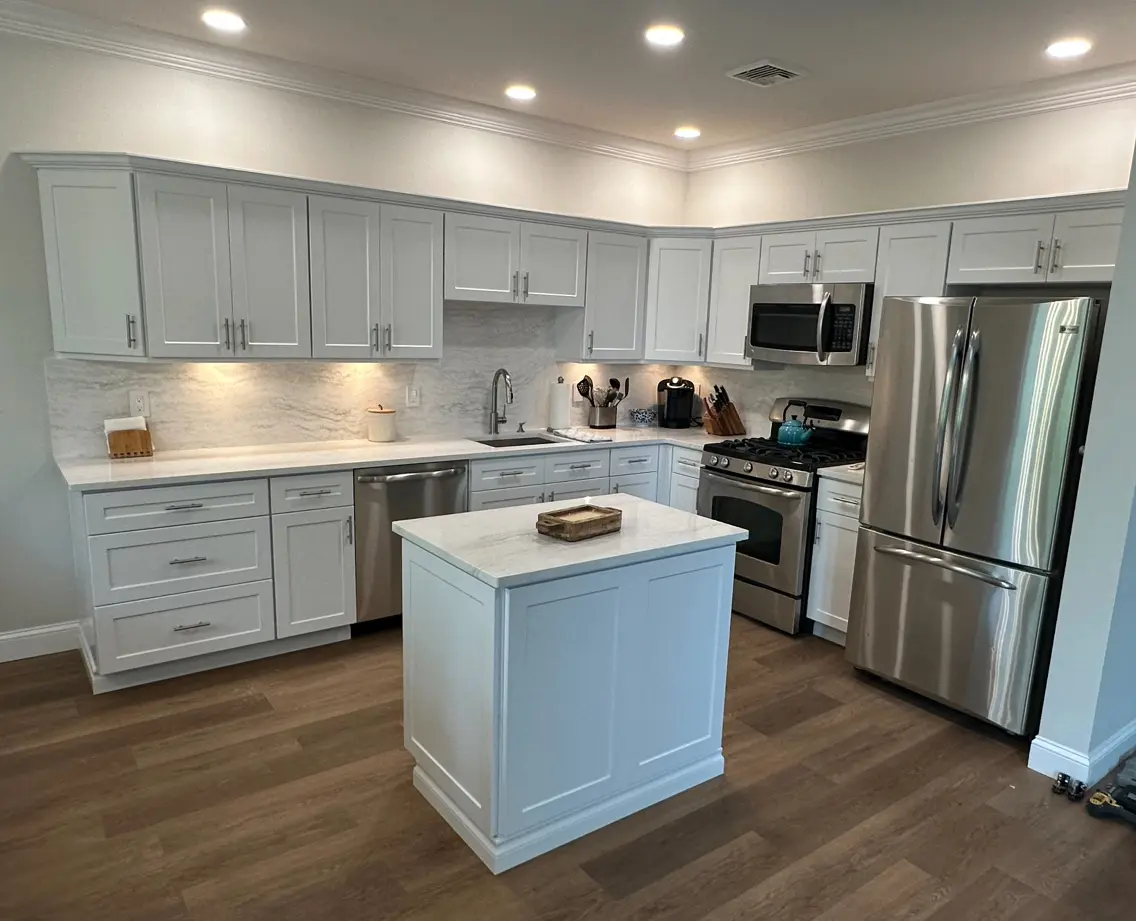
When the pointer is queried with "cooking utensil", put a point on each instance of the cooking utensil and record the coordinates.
(584, 388)
(613, 383)
(627, 386)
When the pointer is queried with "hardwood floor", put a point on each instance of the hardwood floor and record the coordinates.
(280, 790)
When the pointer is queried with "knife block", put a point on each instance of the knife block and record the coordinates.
(137, 443)
(726, 421)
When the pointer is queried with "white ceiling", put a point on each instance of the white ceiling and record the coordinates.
(591, 67)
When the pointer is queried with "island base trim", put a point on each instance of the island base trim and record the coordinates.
(504, 855)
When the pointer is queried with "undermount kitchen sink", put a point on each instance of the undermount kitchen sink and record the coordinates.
(518, 442)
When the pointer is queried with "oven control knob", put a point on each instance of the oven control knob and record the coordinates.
(787, 476)
(774, 472)
(725, 462)
(713, 460)
(748, 468)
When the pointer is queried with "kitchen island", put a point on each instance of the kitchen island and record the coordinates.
(553, 688)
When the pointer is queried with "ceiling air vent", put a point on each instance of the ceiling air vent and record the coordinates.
(764, 74)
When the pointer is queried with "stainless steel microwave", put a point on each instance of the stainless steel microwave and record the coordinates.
(809, 324)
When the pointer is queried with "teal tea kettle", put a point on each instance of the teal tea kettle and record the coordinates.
(794, 432)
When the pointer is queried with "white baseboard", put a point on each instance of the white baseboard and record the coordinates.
(39, 641)
(1051, 758)
(505, 855)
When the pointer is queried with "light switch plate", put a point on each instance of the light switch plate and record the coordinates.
(139, 401)
(413, 396)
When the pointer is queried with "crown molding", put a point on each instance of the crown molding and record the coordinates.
(32, 20)
(1093, 88)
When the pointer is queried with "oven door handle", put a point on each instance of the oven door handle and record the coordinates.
(822, 353)
(754, 487)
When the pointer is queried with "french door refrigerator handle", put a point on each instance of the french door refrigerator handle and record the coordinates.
(917, 557)
(822, 354)
(962, 428)
(938, 500)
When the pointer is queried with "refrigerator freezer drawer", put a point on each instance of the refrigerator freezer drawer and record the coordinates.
(953, 628)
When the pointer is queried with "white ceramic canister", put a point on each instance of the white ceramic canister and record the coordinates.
(380, 424)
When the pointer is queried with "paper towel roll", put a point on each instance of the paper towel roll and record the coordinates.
(559, 405)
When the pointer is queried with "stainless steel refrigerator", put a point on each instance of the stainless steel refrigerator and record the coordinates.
(976, 423)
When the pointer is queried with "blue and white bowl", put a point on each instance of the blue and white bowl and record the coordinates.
(643, 416)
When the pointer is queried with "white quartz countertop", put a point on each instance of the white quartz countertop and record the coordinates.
(168, 468)
(849, 473)
(502, 548)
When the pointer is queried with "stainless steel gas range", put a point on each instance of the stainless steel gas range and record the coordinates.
(770, 490)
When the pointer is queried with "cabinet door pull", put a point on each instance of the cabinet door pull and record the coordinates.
(808, 256)
(816, 264)
(526, 286)
(579, 466)
(516, 282)
(246, 328)
(700, 336)
(185, 506)
(639, 460)
(131, 336)
(1055, 262)
(350, 529)
(228, 335)
(197, 626)
(315, 492)
(687, 463)
(375, 337)
(1039, 258)
(615, 488)
(551, 496)
(816, 536)
(591, 340)
(189, 559)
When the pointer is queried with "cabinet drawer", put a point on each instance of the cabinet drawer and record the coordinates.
(506, 498)
(141, 633)
(579, 465)
(311, 491)
(581, 489)
(686, 462)
(496, 473)
(165, 561)
(839, 498)
(634, 460)
(138, 509)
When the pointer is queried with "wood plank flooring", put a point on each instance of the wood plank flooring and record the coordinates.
(280, 790)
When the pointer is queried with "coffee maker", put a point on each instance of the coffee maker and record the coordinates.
(676, 403)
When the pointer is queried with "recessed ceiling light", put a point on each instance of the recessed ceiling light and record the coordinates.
(223, 20)
(520, 92)
(1069, 48)
(687, 132)
(665, 35)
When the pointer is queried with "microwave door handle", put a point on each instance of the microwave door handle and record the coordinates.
(822, 353)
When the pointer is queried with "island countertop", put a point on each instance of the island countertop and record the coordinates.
(501, 547)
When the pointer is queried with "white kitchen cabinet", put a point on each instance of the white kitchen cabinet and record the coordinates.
(615, 302)
(912, 262)
(737, 261)
(554, 263)
(268, 243)
(1085, 244)
(506, 498)
(819, 257)
(834, 561)
(684, 493)
(993, 250)
(846, 255)
(411, 282)
(313, 557)
(643, 485)
(787, 258)
(483, 258)
(678, 295)
(183, 235)
(92, 262)
(345, 275)
(584, 489)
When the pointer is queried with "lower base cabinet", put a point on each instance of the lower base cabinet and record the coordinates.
(643, 485)
(834, 561)
(313, 556)
(684, 493)
(584, 489)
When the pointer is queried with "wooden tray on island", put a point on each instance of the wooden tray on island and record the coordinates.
(579, 522)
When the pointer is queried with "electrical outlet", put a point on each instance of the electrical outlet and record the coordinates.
(413, 396)
(139, 403)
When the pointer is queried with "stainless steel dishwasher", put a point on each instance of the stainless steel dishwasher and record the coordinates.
(387, 494)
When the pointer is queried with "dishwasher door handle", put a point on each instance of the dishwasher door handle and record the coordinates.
(411, 477)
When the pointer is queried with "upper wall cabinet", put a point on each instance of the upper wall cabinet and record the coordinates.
(912, 262)
(824, 256)
(1078, 246)
(678, 294)
(616, 302)
(412, 282)
(92, 261)
(736, 268)
(183, 232)
(496, 260)
(268, 243)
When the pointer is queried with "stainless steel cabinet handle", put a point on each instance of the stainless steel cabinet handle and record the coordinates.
(1055, 261)
(131, 336)
(1039, 258)
(350, 530)
(615, 488)
(871, 362)
(687, 463)
(579, 466)
(197, 626)
(189, 559)
(844, 501)
(816, 536)
(551, 497)
(961, 439)
(808, 256)
(526, 285)
(639, 460)
(591, 340)
(411, 477)
(375, 337)
(228, 335)
(315, 492)
(516, 282)
(816, 264)
(245, 330)
(700, 338)
(938, 499)
(388, 337)
(753, 487)
(822, 353)
(906, 554)
(510, 473)
(185, 506)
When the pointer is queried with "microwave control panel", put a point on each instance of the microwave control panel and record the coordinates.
(843, 328)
